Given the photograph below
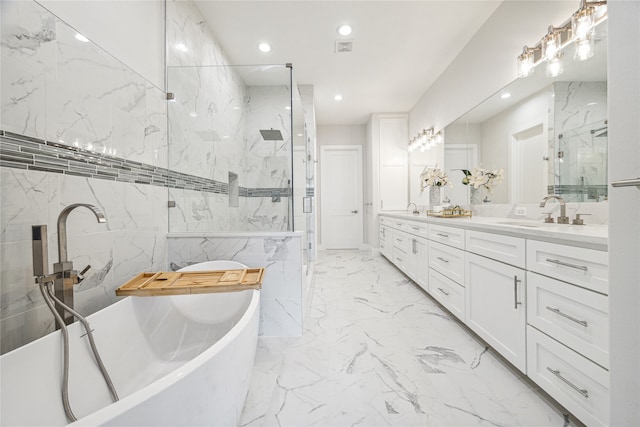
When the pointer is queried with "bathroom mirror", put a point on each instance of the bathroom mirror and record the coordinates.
(548, 134)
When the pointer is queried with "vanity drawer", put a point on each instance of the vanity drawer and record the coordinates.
(418, 228)
(576, 317)
(402, 241)
(398, 224)
(447, 292)
(588, 268)
(575, 382)
(447, 260)
(507, 249)
(448, 235)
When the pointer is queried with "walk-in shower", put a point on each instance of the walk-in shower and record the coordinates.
(582, 166)
(243, 122)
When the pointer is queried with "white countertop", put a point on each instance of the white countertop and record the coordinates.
(588, 236)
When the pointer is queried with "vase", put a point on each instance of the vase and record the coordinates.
(434, 196)
(476, 196)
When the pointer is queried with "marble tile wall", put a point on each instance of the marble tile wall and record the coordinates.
(80, 127)
(214, 128)
(281, 255)
(106, 132)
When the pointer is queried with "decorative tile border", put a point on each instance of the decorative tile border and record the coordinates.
(595, 190)
(23, 152)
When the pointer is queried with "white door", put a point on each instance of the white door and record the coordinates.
(456, 157)
(528, 165)
(341, 196)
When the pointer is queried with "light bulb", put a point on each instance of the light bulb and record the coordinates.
(582, 24)
(554, 66)
(525, 63)
(551, 44)
(584, 49)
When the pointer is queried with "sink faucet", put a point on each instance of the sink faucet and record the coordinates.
(415, 208)
(64, 276)
(563, 218)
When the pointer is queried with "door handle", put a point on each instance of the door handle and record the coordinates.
(516, 303)
(354, 211)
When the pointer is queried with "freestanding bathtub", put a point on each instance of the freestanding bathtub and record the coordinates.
(174, 360)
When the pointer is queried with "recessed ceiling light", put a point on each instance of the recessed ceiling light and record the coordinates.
(264, 47)
(505, 95)
(344, 29)
(338, 97)
(181, 47)
(82, 38)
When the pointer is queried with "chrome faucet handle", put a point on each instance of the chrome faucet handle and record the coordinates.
(563, 220)
(578, 220)
(80, 275)
(549, 219)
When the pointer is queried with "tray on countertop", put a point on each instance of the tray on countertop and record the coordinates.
(455, 212)
(192, 282)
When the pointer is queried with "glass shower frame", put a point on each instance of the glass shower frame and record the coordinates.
(216, 149)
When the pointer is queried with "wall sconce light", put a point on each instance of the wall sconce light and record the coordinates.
(425, 140)
(526, 62)
(579, 29)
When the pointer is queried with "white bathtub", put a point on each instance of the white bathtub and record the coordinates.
(175, 361)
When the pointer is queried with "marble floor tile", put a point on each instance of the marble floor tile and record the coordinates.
(378, 351)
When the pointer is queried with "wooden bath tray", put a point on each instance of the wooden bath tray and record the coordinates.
(192, 282)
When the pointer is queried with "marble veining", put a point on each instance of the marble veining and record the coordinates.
(377, 350)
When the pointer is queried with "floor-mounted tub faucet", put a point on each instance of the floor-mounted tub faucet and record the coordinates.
(563, 218)
(60, 298)
(64, 276)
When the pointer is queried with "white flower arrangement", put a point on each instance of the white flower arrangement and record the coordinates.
(486, 178)
(433, 177)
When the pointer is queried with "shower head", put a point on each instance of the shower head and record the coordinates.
(271, 134)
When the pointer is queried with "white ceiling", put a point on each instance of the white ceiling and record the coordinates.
(399, 47)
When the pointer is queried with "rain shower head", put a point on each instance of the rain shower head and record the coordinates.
(271, 134)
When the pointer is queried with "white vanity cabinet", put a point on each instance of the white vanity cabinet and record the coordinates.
(401, 249)
(568, 327)
(542, 305)
(495, 306)
(495, 293)
(404, 243)
(446, 268)
(386, 241)
(418, 268)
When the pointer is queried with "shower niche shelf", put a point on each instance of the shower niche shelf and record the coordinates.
(192, 282)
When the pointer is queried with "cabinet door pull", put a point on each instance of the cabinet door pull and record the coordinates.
(443, 291)
(567, 264)
(582, 391)
(516, 303)
(443, 260)
(442, 235)
(415, 228)
(558, 312)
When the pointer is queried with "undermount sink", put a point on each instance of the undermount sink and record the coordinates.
(523, 224)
